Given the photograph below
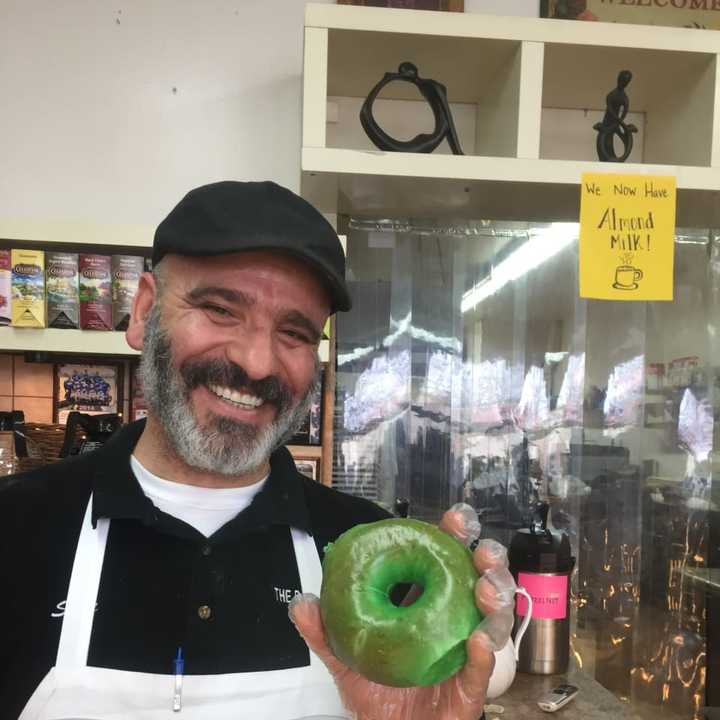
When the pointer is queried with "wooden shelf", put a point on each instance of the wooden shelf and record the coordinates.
(64, 341)
(79, 235)
(312, 451)
(79, 341)
(507, 80)
(494, 169)
(59, 232)
(384, 184)
(459, 25)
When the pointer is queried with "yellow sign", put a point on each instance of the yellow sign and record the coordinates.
(627, 227)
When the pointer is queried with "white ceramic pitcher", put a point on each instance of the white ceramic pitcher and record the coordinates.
(506, 659)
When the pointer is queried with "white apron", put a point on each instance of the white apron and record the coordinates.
(73, 690)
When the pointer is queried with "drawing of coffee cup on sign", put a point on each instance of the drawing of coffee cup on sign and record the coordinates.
(627, 276)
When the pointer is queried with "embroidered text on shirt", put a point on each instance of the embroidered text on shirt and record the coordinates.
(285, 595)
(60, 607)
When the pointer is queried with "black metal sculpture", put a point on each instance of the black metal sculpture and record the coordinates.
(436, 95)
(613, 122)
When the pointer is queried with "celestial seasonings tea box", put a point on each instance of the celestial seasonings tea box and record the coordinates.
(5, 287)
(62, 289)
(95, 292)
(126, 271)
(28, 288)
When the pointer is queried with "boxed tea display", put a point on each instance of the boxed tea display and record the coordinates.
(61, 286)
(126, 271)
(95, 292)
(28, 288)
(5, 287)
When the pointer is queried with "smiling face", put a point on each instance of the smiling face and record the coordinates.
(229, 354)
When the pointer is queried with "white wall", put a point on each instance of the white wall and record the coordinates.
(111, 111)
(92, 128)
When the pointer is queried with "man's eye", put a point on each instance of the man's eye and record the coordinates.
(295, 335)
(216, 309)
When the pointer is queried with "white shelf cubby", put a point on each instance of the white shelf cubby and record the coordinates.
(524, 92)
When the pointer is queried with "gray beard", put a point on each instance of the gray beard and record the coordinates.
(224, 446)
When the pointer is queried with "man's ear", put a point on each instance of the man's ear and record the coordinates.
(143, 301)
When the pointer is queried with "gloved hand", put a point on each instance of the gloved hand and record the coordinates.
(460, 697)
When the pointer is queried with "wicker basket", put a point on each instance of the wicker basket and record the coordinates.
(44, 443)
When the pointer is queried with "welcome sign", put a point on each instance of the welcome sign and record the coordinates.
(678, 13)
(627, 229)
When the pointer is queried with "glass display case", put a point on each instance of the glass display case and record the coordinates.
(470, 370)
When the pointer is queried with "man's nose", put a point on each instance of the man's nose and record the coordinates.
(255, 353)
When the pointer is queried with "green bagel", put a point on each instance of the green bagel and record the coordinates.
(421, 644)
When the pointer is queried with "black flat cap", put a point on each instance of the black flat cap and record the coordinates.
(229, 217)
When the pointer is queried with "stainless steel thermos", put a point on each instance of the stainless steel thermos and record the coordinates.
(541, 562)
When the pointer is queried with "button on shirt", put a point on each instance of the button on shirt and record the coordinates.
(219, 592)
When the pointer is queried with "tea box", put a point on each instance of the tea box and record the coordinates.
(5, 287)
(95, 292)
(28, 288)
(126, 271)
(61, 287)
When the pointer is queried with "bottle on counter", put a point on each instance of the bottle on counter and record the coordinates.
(541, 561)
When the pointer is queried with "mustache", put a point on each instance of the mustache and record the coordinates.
(218, 372)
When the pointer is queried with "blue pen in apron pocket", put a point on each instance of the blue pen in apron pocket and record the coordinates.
(178, 669)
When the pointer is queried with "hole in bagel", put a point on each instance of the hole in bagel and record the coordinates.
(404, 594)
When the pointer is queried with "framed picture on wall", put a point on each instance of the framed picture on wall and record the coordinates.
(86, 388)
(310, 431)
(138, 406)
(449, 5)
(702, 14)
(308, 466)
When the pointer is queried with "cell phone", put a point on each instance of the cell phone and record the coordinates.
(558, 697)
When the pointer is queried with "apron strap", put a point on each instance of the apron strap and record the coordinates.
(309, 570)
(82, 593)
(85, 583)
(308, 561)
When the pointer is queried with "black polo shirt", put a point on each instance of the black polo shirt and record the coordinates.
(163, 584)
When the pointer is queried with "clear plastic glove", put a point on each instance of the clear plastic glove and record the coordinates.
(460, 697)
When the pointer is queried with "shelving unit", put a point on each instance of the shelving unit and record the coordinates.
(87, 342)
(515, 86)
(524, 94)
(77, 237)
(60, 232)
(64, 341)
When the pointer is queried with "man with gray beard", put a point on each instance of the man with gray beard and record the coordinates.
(156, 574)
(166, 392)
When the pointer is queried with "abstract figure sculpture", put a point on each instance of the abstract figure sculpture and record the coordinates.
(436, 95)
(613, 123)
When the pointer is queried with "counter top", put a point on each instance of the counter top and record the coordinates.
(708, 576)
(593, 702)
